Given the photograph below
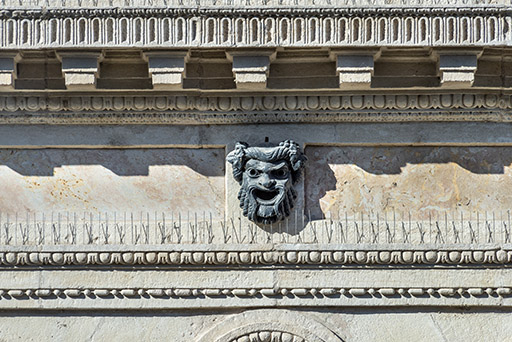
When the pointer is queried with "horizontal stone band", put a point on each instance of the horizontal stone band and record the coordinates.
(171, 293)
(253, 103)
(226, 257)
(185, 27)
(219, 4)
(152, 109)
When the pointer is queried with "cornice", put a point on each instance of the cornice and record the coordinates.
(155, 109)
(218, 12)
(408, 255)
(185, 26)
(246, 4)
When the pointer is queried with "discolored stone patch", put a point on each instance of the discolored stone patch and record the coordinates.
(112, 180)
(407, 179)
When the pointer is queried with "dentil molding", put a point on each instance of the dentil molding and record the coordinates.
(229, 23)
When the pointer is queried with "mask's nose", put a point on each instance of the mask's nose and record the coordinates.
(265, 181)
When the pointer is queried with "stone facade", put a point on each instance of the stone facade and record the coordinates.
(121, 211)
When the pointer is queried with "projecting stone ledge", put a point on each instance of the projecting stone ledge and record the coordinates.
(251, 69)
(457, 71)
(167, 68)
(80, 69)
(355, 71)
(6, 70)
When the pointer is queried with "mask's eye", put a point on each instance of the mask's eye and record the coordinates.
(281, 173)
(253, 172)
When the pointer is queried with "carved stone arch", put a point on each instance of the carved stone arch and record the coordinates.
(270, 325)
(269, 336)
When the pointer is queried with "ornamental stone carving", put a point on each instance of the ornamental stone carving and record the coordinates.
(271, 325)
(262, 336)
(267, 176)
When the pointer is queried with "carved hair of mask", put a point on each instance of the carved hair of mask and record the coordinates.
(267, 176)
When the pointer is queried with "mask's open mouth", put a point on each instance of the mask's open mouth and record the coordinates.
(266, 195)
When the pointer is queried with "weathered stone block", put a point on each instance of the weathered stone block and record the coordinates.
(80, 70)
(407, 179)
(167, 68)
(355, 71)
(457, 70)
(112, 180)
(6, 70)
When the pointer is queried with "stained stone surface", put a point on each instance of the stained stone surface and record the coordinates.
(408, 179)
(111, 180)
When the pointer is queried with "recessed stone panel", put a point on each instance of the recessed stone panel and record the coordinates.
(408, 179)
(112, 180)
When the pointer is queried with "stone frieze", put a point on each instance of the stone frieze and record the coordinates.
(243, 255)
(191, 109)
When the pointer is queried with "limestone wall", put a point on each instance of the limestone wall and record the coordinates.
(131, 180)
(114, 237)
(120, 214)
(408, 179)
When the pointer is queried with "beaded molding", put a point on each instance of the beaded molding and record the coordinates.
(173, 293)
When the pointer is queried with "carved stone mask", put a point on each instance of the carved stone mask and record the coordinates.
(267, 176)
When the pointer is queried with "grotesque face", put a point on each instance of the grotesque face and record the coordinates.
(267, 194)
(267, 176)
